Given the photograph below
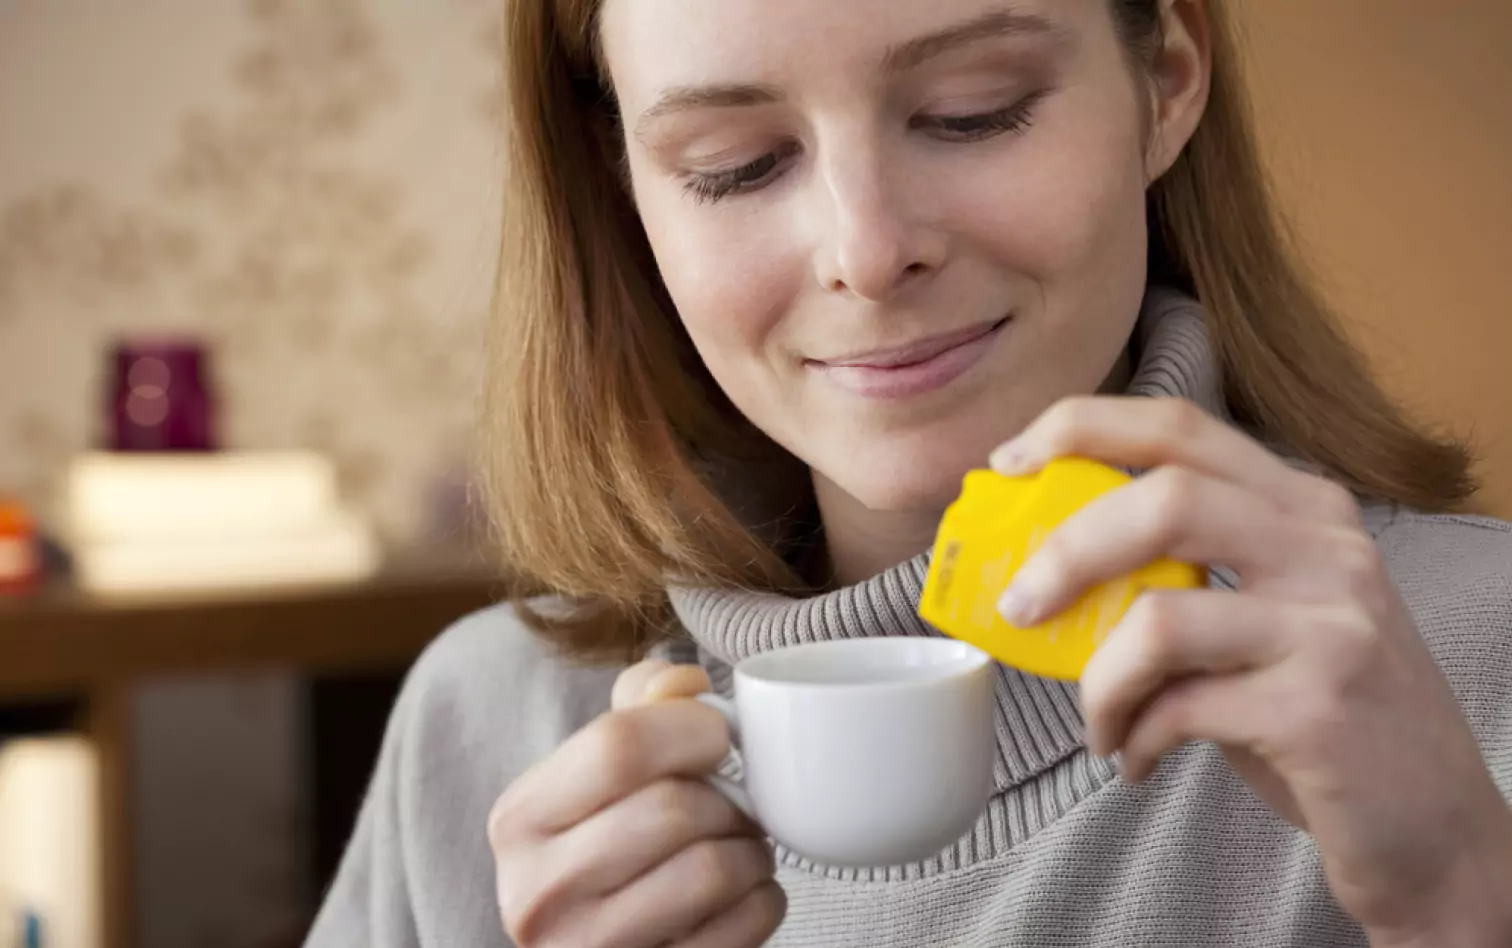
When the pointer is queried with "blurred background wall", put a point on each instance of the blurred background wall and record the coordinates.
(1388, 124)
(306, 184)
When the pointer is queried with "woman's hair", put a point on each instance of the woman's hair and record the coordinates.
(605, 426)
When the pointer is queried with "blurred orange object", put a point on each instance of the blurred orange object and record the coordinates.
(20, 562)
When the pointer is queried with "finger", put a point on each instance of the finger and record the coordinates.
(747, 924)
(1151, 432)
(617, 844)
(613, 757)
(1171, 512)
(676, 681)
(1169, 635)
(631, 683)
(1226, 709)
(1266, 782)
(695, 885)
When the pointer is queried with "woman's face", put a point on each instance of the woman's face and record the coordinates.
(894, 231)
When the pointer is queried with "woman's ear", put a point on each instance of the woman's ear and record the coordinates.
(1180, 73)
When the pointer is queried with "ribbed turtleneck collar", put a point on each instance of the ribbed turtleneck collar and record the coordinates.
(1038, 722)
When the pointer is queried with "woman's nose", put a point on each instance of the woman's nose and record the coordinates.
(879, 237)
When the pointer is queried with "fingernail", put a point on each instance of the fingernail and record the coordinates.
(1019, 606)
(1010, 459)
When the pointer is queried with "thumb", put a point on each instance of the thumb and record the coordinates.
(655, 680)
(631, 683)
(676, 681)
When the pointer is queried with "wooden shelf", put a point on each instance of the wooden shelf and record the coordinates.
(60, 640)
(62, 643)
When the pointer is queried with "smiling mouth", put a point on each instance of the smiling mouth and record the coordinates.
(913, 369)
(914, 353)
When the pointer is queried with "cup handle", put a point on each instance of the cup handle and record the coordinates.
(733, 790)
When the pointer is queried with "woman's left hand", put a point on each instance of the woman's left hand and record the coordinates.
(1312, 677)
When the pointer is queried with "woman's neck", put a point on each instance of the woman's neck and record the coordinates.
(859, 543)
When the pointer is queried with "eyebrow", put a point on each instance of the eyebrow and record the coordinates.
(682, 98)
(900, 58)
(1005, 22)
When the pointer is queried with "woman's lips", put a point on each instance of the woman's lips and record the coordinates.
(914, 369)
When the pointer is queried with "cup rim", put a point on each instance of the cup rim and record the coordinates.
(968, 659)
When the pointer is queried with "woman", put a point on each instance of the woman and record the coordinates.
(776, 274)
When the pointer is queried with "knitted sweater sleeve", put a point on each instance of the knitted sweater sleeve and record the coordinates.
(1456, 574)
(369, 903)
(486, 701)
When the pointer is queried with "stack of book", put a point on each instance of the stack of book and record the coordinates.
(155, 523)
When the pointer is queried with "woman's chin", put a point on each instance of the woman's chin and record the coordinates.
(900, 486)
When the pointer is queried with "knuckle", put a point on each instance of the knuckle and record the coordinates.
(1361, 567)
(764, 859)
(1179, 716)
(721, 867)
(501, 823)
(774, 899)
(1316, 718)
(618, 745)
(1065, 411)
(770, 908)
(675, 809)
(1064, 418)
(1335, 501)
(1180, 420)
(526, 909)
(1318, 710)
(1353, 642)
(629, 684)
(709, 869)
(1051, 550)
(671, 796)
(1158, 623)
(1171, 491)
(519, 919)
(726, 862)
(708, 727)
(509, 821)
(1096, 686)
(1096, 696)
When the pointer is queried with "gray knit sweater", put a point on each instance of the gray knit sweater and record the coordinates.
(1066, 854)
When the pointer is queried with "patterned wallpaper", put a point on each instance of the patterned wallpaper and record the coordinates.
(311, 187)
(305, 184)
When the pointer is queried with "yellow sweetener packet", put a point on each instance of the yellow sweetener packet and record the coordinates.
(996, 524)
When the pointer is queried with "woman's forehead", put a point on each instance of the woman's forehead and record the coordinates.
(655, 45)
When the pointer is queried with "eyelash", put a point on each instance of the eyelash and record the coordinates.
(707, 188)
(975, 128)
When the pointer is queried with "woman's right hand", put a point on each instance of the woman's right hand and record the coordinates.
(615, 840)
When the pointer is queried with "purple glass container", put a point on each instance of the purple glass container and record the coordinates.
(160, 396)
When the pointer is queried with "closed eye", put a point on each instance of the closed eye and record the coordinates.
(708, 187)
(983, 125)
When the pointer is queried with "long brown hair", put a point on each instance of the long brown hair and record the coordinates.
(603, 421)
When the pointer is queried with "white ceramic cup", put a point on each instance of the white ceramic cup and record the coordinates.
(863, 752)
